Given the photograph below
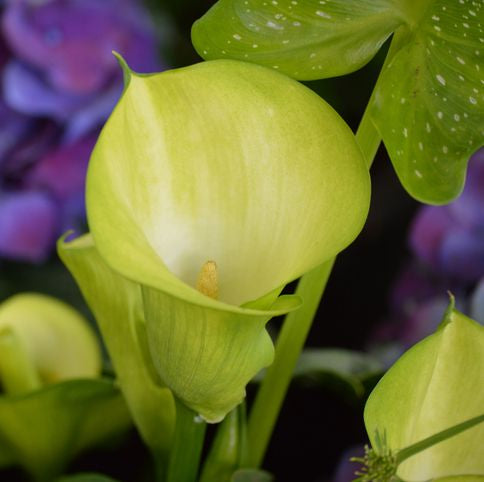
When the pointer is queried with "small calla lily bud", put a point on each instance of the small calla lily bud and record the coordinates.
(434, 386)
(50, 337)
(213, 186)
(53, 404)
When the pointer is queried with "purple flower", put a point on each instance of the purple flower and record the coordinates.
(62, 173)
(13, 126)
(345, 471)
(28, 225)
(64, 67)
(60, 83)
(70, 41)
(450, 238)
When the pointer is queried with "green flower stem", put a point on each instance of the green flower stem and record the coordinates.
(415, 448)
(288, 348)
(187, 445)
(17, 372)
(297, 324)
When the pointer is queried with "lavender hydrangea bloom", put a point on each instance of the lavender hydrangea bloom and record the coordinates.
(28, 222)
(62, 172)
(13, 126)
(345, 471)
(451, 238)
(64, 67)
(60, 82)
(70, 41)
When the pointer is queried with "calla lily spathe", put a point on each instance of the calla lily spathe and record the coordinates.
(54, 404)
(235, 165)
(435, 385)
(53, 338)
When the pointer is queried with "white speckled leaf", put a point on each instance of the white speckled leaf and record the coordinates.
(305, 39)
(428, 106)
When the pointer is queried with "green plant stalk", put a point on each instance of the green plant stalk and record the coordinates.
(17, 372)
(288, 348)
(297, 324)
(187, 445)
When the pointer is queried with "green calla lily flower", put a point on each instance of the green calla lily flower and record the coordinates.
(213, 186)
(53, 405)
(434, 386)
(52, 341)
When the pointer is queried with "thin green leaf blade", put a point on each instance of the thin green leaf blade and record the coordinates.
(251, 475)
(306, 40)
(429, 103)
(86, 477)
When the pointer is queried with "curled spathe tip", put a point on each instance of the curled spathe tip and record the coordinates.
(127, 71)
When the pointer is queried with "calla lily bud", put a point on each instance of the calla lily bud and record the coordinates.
(213, 186)
(434, 386)
(45, 341)
(53, 404)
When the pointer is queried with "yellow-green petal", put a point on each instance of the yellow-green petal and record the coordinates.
(434, 386)
(207, 356)
(117, 305)
(235, 165)
(57, 340)
(223, 161)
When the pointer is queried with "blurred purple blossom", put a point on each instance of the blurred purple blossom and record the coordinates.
(62, 172)
(60, 82)
(450, 239)
(345, 471)
(70, 42)
(448, 247)
(28, 225)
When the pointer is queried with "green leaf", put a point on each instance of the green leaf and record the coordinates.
(429, 103)
(251, 475)
(305, 39)
(346, 368)
(219, 162)
(117, 305)
(87, 477)
(45, 429)
(433, 386)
